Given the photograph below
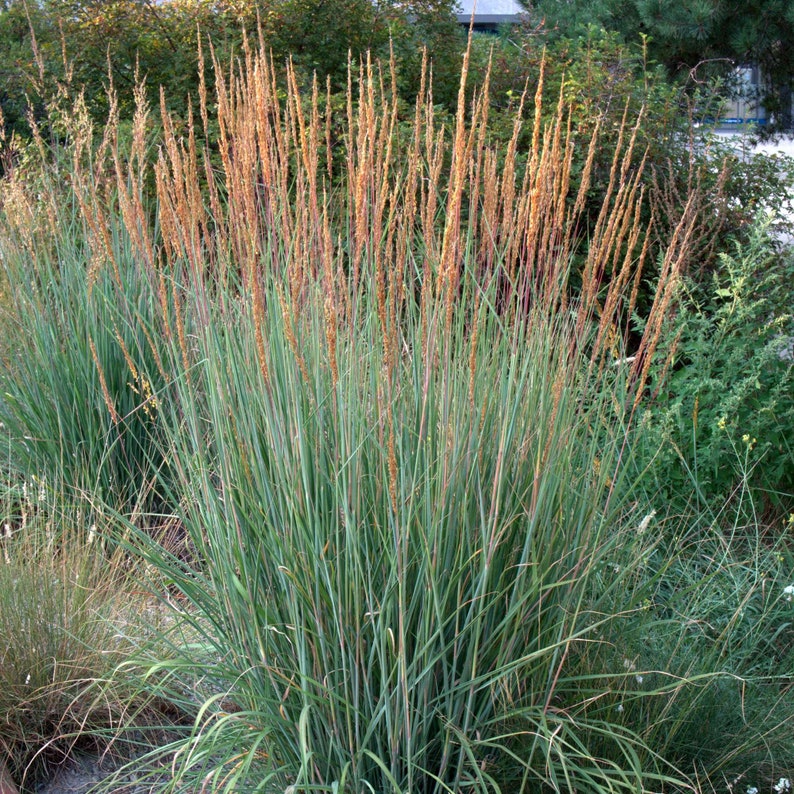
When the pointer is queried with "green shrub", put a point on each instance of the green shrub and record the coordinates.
(701, 666)
(723, 402)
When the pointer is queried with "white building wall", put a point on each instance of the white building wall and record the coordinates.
(489, 12)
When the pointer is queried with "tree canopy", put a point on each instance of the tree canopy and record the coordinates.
(715, 35)
(89, 43)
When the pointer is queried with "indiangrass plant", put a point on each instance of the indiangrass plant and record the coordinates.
(398, 562)
(397, 380)
(78, 406)
(396, 429)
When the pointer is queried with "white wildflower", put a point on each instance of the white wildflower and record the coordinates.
(27, 679)
(638, 678)
(784, 784)
(620, 361)
(788, 593)
(619, 708)
(752, 790)
(646, 522)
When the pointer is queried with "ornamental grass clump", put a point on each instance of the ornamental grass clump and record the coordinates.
(396, 425)
(60, 595)
(398, 564)
(77, 403)
(393, 376)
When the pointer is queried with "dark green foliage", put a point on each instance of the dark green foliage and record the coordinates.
(83, 45)
(712, 35)
(429, 26)
(20, 81)
(711, 608)
(319, 36)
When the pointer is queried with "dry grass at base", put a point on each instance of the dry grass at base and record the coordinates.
(70, 613)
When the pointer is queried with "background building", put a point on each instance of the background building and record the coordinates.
(489, 14)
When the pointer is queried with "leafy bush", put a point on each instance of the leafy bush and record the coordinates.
(725, 378)
(46, 47)
(713, 610)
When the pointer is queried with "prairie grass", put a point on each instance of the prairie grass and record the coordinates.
(393, 386)
(63, 603)
(80, 409)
